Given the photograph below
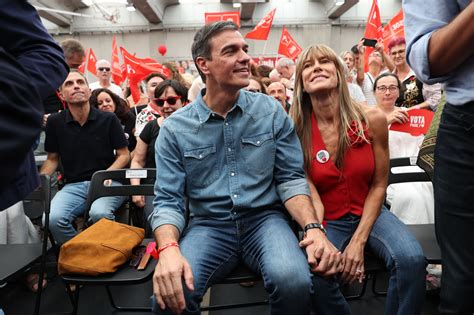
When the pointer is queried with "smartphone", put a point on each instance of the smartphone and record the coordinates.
(369, 42)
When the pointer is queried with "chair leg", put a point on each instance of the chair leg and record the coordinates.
(73, 297)
(123, 308)
(374, 289)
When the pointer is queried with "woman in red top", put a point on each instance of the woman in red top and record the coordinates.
(346, 157)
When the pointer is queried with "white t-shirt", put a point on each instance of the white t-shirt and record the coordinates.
(113, 87)
(356, 92)
(412, 203)
(368, 89)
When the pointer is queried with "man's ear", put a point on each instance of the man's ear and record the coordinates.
(60, 94)
(201, 62)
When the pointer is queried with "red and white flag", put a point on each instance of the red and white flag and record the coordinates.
(91, 61)
(116, 70)
(138, 68)
(262, 29)
(419, 121)
(373, 30)
(288, 46)
(394, 28)
(210, 17)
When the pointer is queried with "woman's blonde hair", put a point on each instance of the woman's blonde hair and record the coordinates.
(351, 113)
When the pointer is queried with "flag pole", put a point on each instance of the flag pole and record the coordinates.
(264, 47)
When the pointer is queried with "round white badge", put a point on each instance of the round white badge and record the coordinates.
(322, 156)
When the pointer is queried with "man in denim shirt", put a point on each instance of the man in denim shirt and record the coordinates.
(236, 156)
(440, 48)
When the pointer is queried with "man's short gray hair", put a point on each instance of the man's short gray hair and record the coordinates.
(285, 62)
(201, 46)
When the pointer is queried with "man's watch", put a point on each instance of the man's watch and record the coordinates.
(310, 226)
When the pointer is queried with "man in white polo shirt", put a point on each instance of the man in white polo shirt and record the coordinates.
(104, 73)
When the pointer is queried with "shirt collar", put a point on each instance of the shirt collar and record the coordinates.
(204, 112)
(93, 112)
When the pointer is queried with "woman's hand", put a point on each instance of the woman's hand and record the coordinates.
(398, 115)
(353, 263)
(139, 201)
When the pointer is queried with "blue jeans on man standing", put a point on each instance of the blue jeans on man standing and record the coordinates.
(397, 247)
(70, 202)
(261, 240)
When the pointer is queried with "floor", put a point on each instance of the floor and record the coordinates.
(16, 300)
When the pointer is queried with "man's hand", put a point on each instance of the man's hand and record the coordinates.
(353, 263)
(167, 283)
(323, 257)
(139, 201)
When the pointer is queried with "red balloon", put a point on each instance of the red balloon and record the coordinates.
(162, 49)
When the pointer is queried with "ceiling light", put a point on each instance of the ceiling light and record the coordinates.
(130, 7)
(237, 5)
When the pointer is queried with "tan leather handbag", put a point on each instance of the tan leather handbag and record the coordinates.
(101, 248)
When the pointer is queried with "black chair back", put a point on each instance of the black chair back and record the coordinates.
(405, 177)
(97, 188)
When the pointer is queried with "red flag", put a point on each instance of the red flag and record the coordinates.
(394, 28)
(116, 70)
(91, 60)
(138, 69)
(373, 30)
(262, 29)
(288, 46)
(82, 67)
(222, 16)
(123, 69)
(419, 122)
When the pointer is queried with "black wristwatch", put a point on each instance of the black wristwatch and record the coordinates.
(310, 226)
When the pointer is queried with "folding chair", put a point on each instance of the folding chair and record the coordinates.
(125, 275)
(15, 259)
(240, 274)
(424, 233)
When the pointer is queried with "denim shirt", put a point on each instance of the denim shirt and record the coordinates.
(249, 161)
(422, 19)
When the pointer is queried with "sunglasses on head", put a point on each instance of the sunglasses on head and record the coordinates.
(171, 100)
(104, 69)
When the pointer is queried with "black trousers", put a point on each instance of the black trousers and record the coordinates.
(454, 207)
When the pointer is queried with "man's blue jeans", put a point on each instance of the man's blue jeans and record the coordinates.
(70, 202)
(392, 242)
(263, 241)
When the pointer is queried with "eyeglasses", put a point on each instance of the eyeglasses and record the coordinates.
(399, 52)
(171, 100)
(106, 69)
(391, 88)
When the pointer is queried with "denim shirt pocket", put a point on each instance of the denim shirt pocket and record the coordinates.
(201, 165)
(259, 152)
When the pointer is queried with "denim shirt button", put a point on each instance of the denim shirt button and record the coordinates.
(232, 174)
(235, 196)
(229, 149)
(227, 124)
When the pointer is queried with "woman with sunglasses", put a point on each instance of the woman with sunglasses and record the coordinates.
(412, 203)
(107, 101)
(346, 158)
(170, 95)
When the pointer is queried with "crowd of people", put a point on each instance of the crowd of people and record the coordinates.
(243, 148)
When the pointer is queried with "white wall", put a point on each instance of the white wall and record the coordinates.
(306, 21)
